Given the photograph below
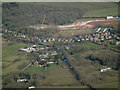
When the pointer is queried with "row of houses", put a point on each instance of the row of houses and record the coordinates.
(94, 37)
(100, 34)
(87, 37)
(21, 36)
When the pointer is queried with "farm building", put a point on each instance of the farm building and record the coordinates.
(50, 62)
(31, 87)
(104, 70)
(110, 17)
(21, 80)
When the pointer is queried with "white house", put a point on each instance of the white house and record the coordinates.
(50, 62)
(104, 70)
(117, 43)
(31, 87)
(21, 80)
(110, 17)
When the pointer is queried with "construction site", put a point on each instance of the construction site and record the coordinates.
(80, 24)
(90, 24)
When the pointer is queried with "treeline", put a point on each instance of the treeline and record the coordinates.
(105, 59)
(33, 79)
(20, 15)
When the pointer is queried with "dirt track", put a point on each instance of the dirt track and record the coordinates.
(104, 22)
(89, 24)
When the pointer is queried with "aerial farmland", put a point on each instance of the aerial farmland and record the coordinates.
(60, 45)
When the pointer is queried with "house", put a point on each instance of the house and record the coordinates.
(104, 30)
(44, 40)
(109, 17)
(54, 53)
(66, 47)
(31, 87)
(50, 62)
(42, 48)
(21, 80)
(42, 65)
(36, 63)
(1, 34)
(42, 59)
(59, 40)
(53, 39)
(78, 40)
(83, 39)
(49, 40)
(104, 70)
(117, 43)
(118, 38)
(99, 29)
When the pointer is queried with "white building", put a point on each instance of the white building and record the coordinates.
(50, 62)
(31, 87)
(117, 43)
(104, 70)
(110, 17)
(21, 80)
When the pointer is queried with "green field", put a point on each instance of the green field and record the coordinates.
(36, 69)
(60, 75)
(11, 59)
(111, 82)
(65, 33)
(103, 12)
(93, 9)
(55, 75)
(88, 70)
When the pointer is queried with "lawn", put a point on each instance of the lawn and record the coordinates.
(36, 68)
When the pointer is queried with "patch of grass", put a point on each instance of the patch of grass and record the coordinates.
(111, 82)
(10, 59)
(11, 50)
(65, 33)
(57, 75)
(84, 5)
(62, 86)
(36, 69)
(92, 8)
(87, 70)
(103, 12)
